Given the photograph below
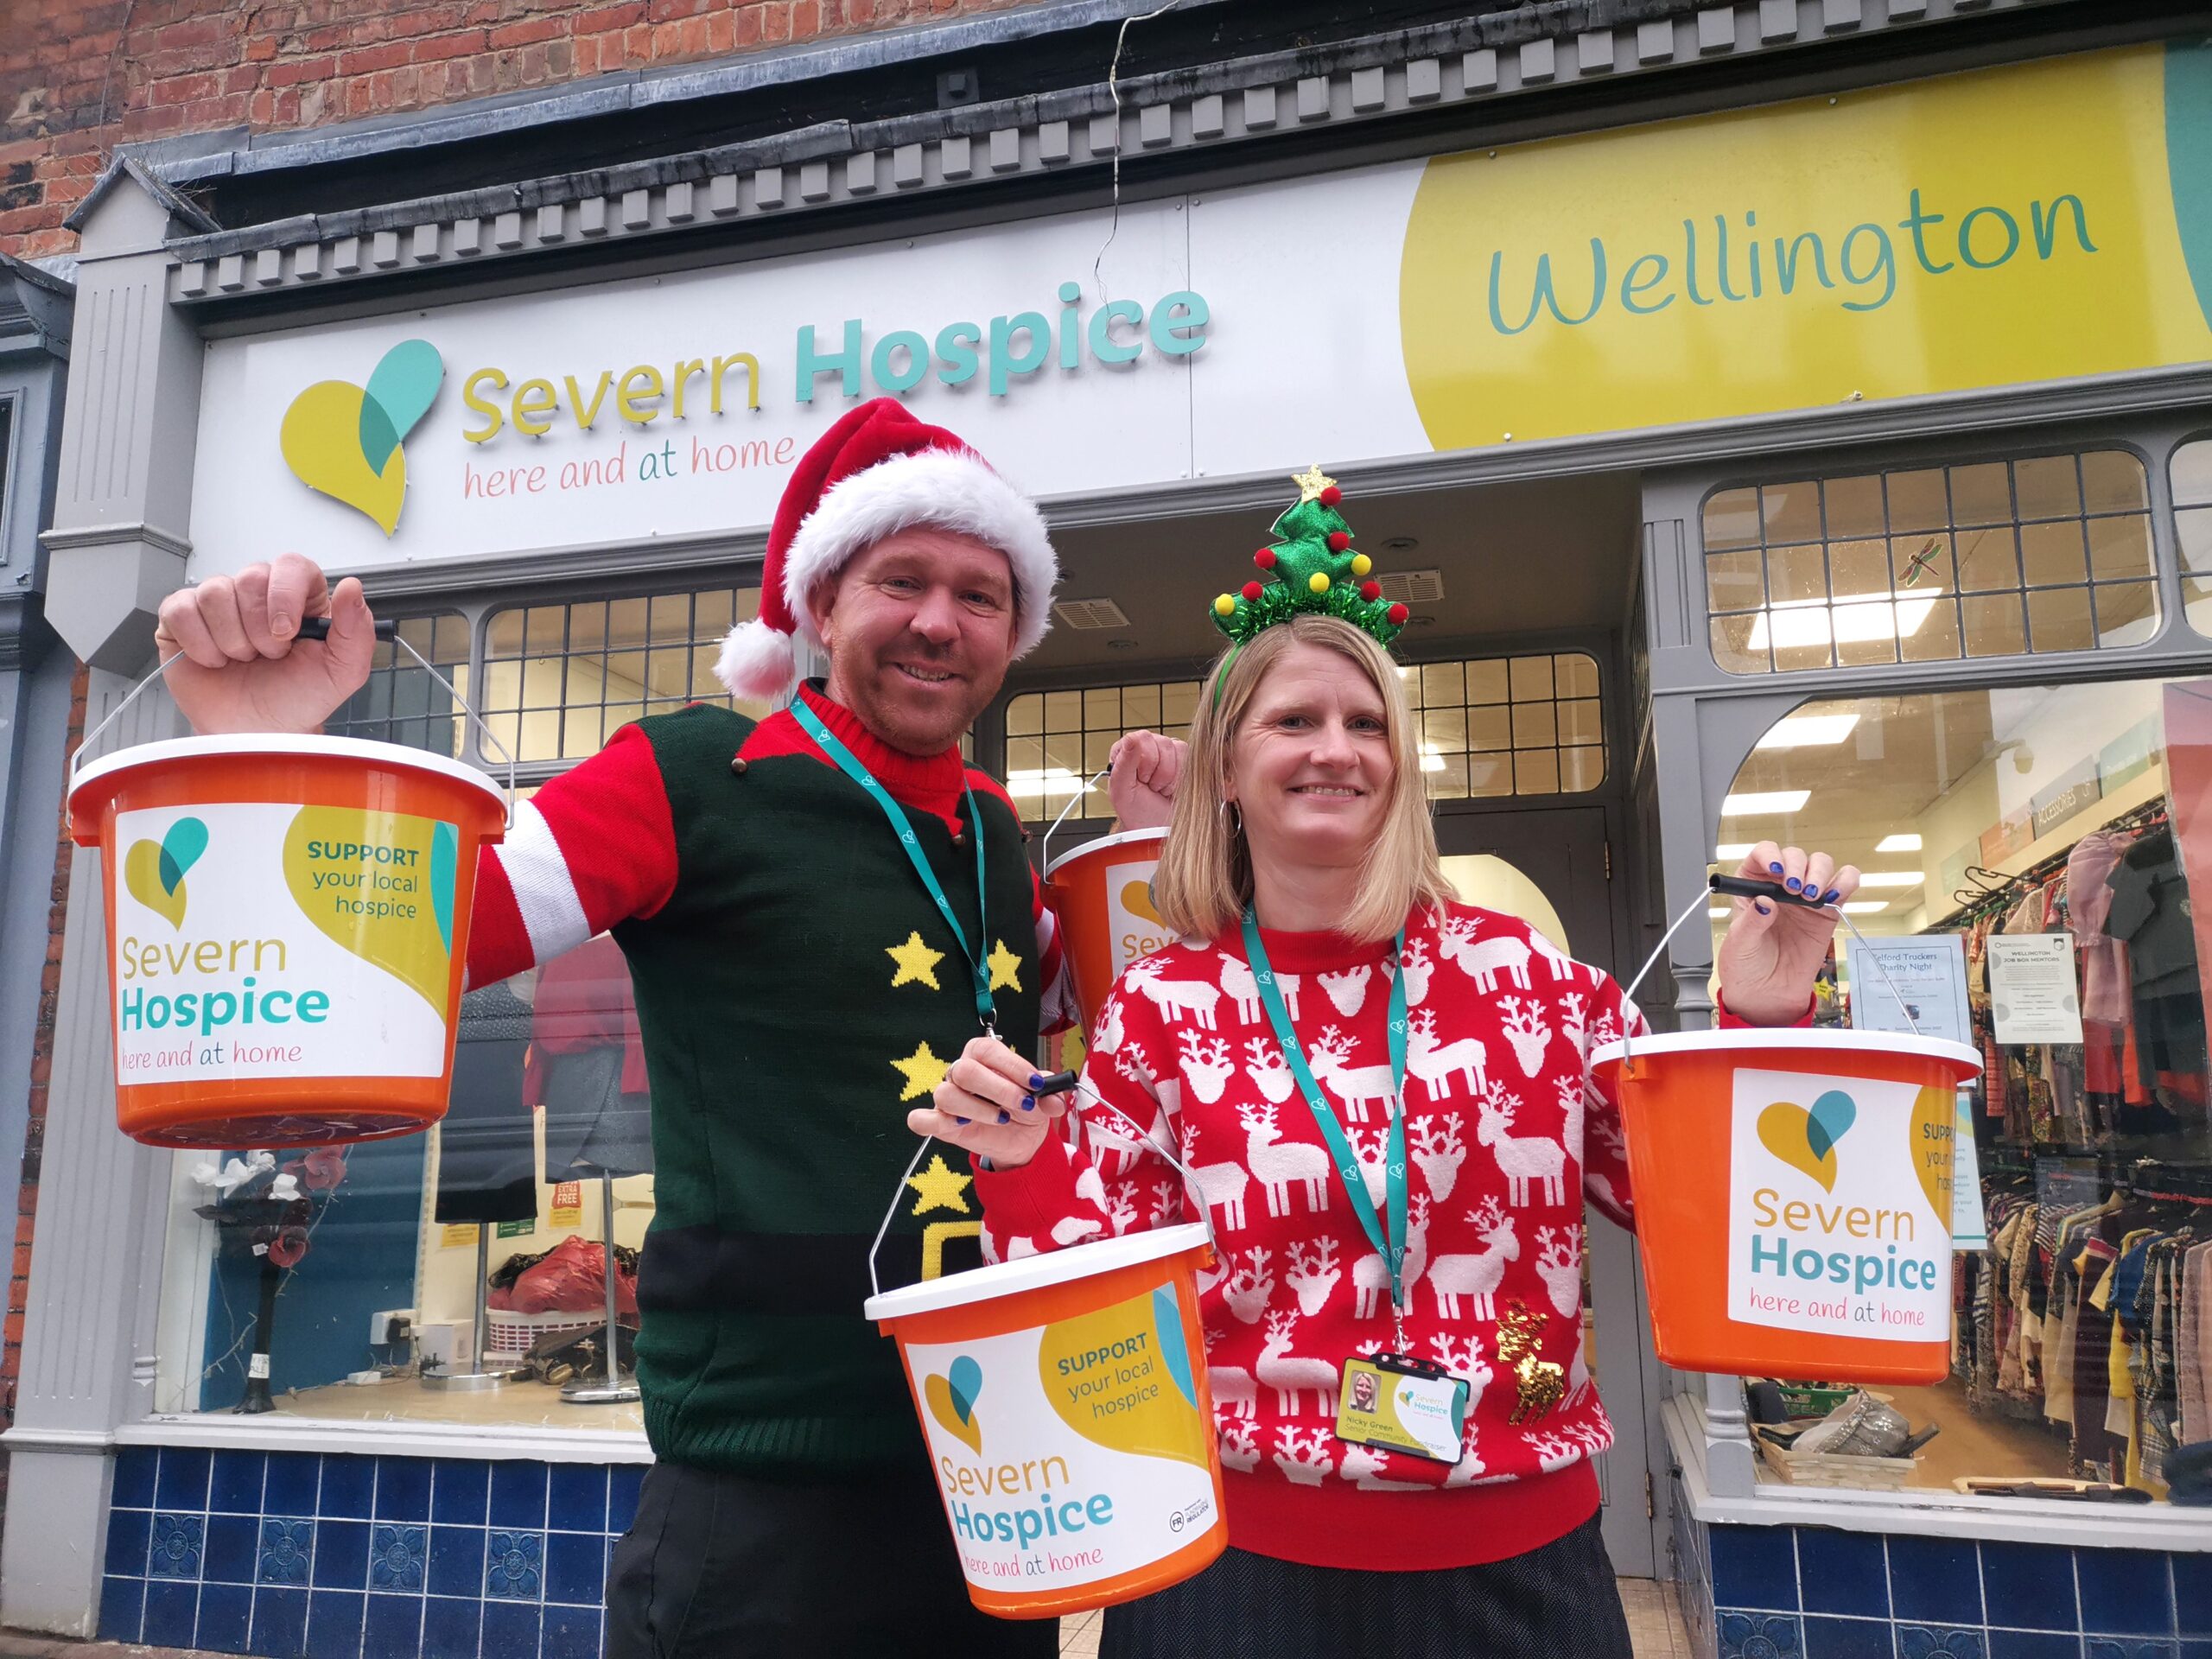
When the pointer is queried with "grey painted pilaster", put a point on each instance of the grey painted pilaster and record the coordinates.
(124, 493)
(88, 1331)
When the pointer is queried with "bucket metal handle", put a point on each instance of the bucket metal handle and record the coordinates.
(313, 627)
(1089, 784)
(1743, 888)
(1190, 1178)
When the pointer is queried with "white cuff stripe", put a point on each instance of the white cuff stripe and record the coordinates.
(552, 914)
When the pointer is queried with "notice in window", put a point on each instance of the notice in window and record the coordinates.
(1916, 985)
(2034, 988)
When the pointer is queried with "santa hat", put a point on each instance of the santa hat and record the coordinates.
(876, 472)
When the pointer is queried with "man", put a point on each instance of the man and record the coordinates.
(802, 970)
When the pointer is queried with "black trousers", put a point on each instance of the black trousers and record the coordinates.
(721, 1567)
(1556, 1602)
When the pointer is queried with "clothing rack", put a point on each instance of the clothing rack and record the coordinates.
(1997, 889)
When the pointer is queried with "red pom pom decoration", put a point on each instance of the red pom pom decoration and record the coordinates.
(1331, 496)
(1338, 540)
(1265, 558)
(1252, 591)
(1370, 591)
(1398, 614)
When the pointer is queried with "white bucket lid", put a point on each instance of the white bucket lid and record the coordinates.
(392, 755)
(1033, 1272)
(1841, 1044)
(1121, 839)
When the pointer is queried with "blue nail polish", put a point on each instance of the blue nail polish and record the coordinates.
(1830, 896)
(1763, 908)
(962, 1122)
(1029, 1103)
(1776, 868)
(1795, 885)
(1036, 1081)
(1004, 1118)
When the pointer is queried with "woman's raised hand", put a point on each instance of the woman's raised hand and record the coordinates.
(986, 1104)
(1773, 952)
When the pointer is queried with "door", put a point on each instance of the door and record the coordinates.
(1548, 867)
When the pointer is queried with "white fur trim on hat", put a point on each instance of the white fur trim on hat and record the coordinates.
(949, 489)
(757, 661)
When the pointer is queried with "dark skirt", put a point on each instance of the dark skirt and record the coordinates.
(1558, 1602)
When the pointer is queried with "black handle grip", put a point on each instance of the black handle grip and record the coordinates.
(317, 628)
(1057, 1083)
(1744, 887)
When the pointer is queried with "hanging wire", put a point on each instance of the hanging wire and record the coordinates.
(1114, 89)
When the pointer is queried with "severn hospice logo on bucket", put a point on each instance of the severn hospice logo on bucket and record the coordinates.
(1838, 1216)
(340, 966)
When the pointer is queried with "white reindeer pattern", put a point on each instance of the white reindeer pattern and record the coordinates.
(1280, 1164)
(1205, 1064)
(1290, 1377)
(1173, 997)
(1522, 1159)
(1347, 991)
(1354, 1085)
(1483, 962)
(1477, 1276)
(1434, 1063)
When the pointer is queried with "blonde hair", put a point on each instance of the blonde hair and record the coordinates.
(1204, 878)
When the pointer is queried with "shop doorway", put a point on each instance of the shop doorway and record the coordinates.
(1551, 867)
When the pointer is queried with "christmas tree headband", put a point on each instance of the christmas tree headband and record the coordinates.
(1310, 570)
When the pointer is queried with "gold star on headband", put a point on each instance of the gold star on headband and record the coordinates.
(1311, 482)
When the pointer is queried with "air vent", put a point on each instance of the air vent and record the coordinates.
(1089, 614)
(1412, 586)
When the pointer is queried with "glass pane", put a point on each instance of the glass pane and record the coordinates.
(1791, 512)
(1141, 706)
(2050, 488)
(580, 734)
(1579, 722)
(1923, 564)
(503, 636)
(2197, 603)
(1994, 625)
(1489, 727)
(1980, 495)
(1794, 652)
(2128, 613)
(1797, 573)
(1178, 702)
(1444, 729)
(1023, 755)
(1487, 681)
(626, 622)
(1445, 777)
(1858, 568)
(714, 615)
(1581, 769)
(1063, 751)
(1532, 678)
(1917, 501)
(1986, 560)
(626, 675)
(545, 629)
(1534, 724)
(1097, 746)
(2120, 547)
(2058, 620)
(1443, 685)
(1490, 775)
(1936, 637)
(2191, 472)
(2113, 481)
(1576, 674)
(1854, 507)
(1732, 645)
(1859, 648)
(669, 617)
(2193, 529)
(1535, 772)
(1025, 715)
(1731, 519)
(2053, 553)
(1102, 709)
(1064, 711)
(541, 683)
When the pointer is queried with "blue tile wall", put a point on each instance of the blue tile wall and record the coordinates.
(1806, 1593)
(293, 1556)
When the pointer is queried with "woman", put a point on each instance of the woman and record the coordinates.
(1302, 808)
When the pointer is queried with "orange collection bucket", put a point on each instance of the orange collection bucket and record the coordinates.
(286, 925)
(1826, 1156)
(1102, 893)
(1064, 1399)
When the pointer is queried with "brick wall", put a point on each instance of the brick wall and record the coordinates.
(77, 77)
(49, 990)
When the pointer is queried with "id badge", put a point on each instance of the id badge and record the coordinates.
(1402, 1404)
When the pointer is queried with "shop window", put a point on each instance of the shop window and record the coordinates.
(1996, 559)
(1057, 741)
(1986, 823)
(559, 680)
(403, 702)
(2191, 473)
(1508, 725)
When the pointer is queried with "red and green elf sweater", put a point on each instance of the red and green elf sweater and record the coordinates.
(1507, 1133)
(798, 994)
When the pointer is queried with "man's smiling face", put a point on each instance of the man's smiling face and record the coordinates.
(920, 631)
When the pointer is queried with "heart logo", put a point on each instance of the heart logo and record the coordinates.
(153, 872)
(344, 440)
(1807, 1141)
(1137, 898)
(952, 1401)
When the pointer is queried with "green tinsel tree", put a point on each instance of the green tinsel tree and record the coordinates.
(1309, 567)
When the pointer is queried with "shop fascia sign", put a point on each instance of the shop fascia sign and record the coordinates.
(346, 441)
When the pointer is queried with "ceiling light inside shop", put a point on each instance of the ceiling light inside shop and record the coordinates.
(1808, 731)
(1731, 852)
(1798, 623)
(1756, 802)
(1718, 914)
(1865, 906)
(1046, 780)
(1897, 844)
(1892, 878)
(1430, 760)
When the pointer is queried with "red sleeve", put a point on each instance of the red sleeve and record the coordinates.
(595, 847)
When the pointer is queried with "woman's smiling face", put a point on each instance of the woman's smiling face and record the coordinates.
(1310, 765)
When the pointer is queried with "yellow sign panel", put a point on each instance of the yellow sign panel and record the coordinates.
(1986, 229)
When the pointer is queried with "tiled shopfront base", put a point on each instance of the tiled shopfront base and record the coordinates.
(1808, 1593)
(283, 1554)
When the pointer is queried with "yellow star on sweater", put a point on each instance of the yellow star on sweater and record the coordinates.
(940, 1187)
(1006, 967)
(916, 962)
(923, 1071)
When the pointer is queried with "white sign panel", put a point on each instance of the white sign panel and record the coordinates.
(1929, 975)
(2034, 988)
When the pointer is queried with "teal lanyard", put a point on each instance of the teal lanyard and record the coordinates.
(849, 764)
(1255, 955)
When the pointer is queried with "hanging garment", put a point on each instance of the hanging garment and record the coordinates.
(586, 1065)
(487, 1150)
